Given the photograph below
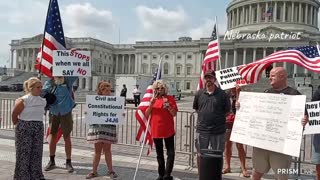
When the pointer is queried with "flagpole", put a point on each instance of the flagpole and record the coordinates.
(144, 140)
(216, 19)
(146, 131)
(42, 45)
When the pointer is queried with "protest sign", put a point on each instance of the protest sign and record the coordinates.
(104, 109)
(229, 78)
(71, 63)
(270, 121)
(313, 127)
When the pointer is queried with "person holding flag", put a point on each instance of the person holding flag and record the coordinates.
(162, 110)
(59, 88)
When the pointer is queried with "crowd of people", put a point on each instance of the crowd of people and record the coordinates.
(216, 110)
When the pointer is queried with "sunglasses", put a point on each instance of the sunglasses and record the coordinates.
(159, 88)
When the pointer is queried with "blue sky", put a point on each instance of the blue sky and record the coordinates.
(137, 20)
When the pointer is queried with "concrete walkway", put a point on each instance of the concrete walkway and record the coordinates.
(124, 159)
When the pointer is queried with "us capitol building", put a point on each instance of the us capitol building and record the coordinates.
(255, 29)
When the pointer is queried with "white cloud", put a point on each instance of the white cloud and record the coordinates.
(86, 20)
(162, 20)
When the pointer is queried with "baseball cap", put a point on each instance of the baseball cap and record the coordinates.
(210, 73)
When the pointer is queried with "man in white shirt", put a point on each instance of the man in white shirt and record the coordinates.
(136, 95)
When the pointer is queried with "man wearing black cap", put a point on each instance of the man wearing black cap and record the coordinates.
(212, 104)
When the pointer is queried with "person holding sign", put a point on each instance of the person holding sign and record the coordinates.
(315, 158)
(102, 136)
(262, 159)
(212, 104)
(60, 115)
(27, 115)
(162, 110)
(233, 95)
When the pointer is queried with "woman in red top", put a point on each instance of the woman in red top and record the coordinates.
(162, 110)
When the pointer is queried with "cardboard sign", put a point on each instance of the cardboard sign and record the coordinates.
(313, 127)
(71, 63)
(270, 121)
(104, 109)
(229, 78)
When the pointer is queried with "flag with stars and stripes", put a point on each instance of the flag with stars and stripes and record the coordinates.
(141, 116)
(53, 39)
(305, 56)
(211, 56)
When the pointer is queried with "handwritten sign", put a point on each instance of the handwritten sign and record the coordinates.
(104, 109)
(313, 127)
(229, 78)
(270, 121)
(71, 63)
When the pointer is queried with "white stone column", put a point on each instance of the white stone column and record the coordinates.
(275, 12)
(22, 59)
(264, 52)
(129, 67)
(266, 18)
(235, 54)
(122, 68)
(17, 58)
(284, 12)
(300, 13)
(174, 64)
(150, 59)
(311, 15)
(254, 56)
(136, 63)
(244, 56)
(258, 12)
(117, 64)
(226, 59)
(292, 11)
(88, 83)
(80, 83)
(243, 17)
(306, 11)
(11, 60)
(28, 59)
(237, 19)
(250, 14)
(33, 60)
(295, 70)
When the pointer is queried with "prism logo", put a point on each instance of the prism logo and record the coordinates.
(287, 171)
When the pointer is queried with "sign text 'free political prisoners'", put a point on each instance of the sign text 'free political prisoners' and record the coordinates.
(228, 78)
(71, 63)
(104, 109)
(313, 127)
(270, 121)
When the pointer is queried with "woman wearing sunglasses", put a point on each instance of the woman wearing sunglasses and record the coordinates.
(162, 110)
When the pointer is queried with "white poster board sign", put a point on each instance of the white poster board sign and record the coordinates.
(229, 78)
(71, 63)
(270, 121)
(313, 127)
(104, 109)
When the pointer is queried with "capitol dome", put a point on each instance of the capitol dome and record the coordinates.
(291, 15)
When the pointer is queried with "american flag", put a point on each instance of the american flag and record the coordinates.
(53, 39)
(305, 56)
(268, 13)
(141, 112)
(212, 55)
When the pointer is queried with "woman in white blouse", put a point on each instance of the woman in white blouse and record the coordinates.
(27, 115)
